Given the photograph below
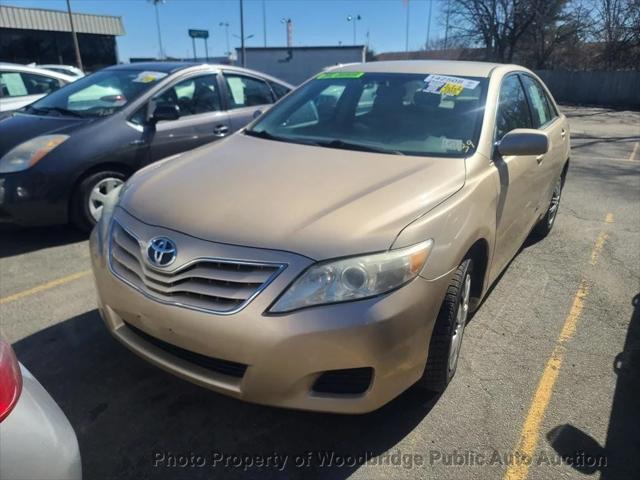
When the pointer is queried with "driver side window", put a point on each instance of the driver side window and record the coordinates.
(513, 109)
(193, 96)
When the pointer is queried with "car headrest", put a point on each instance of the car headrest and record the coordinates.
(425, 99)
(388, 97)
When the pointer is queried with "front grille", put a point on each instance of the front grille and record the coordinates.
(212, 285)
(348, 381)
(225, 367)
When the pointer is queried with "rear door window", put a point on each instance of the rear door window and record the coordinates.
(541, 110)
(20, 84)
(243, 91)
(279, 90)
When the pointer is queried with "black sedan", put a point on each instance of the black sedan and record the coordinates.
(61, 155)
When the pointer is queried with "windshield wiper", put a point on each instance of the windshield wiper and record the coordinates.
(270, 136)
(357, 146)
(31, 108)
(262, 134)
(61, 110)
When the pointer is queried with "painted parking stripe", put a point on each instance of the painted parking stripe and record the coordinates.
(634, 152)
(45, 286)
(530, 433)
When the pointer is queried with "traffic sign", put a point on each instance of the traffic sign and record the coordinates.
(198, 33)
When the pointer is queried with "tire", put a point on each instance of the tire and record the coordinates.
(446, 339)
(86, 203)
(545, 225)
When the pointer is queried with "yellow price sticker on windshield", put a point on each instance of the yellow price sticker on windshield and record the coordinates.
(451, 89)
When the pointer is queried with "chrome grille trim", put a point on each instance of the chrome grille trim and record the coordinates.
(206, 284)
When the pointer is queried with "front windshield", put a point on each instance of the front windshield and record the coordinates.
(411, 114)
(97, 95)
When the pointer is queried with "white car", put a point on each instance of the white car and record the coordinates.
(36, 438)
(64, 69)
(21, 85)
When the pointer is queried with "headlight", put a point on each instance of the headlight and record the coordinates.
(354, 278)
(27, 154)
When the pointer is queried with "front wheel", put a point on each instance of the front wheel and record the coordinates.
(446, 339)
(89, 198)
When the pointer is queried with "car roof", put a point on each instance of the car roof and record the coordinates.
(41, 71)
(173, 67)
(165, 67)
(441, 67)
(55, 65)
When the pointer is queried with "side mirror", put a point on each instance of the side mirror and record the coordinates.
(524, 141)
(158, 113)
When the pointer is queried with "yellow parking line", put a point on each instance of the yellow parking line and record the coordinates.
(528, 441)
(597, 248)
(45, 286)
(632, 157)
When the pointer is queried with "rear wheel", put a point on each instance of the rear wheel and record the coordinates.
(89, 198)
(446, 340)
(545, 225)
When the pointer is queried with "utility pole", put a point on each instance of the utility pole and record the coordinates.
(446, 29)
(76, 46)
(264, 22)
(426, 47)
(288, 23)
(242, 50)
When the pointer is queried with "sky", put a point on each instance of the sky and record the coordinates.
(315, 22)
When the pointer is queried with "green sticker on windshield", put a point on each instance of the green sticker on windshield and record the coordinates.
(332, 75)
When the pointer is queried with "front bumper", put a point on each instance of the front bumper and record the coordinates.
(29, 198)
(36, 439)
(281, 356)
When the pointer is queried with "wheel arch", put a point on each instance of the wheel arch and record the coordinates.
(565, 171)
(479, 254)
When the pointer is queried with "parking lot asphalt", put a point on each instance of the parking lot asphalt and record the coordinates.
(550, 363)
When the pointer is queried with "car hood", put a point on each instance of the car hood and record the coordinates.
(17, 128)
(318, 202)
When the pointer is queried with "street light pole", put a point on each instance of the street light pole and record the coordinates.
(76, 46)
(226, 32)
(155, 5)
(406, 41)
(354, 19)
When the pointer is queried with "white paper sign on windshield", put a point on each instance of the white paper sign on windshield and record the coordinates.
(444, 79)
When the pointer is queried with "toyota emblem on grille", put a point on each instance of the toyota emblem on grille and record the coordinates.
(161, 251)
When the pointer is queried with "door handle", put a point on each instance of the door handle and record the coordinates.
(220, 130)
(539, 159)
(563, 133)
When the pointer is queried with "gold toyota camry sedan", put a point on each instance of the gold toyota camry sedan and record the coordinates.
(328, 256)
